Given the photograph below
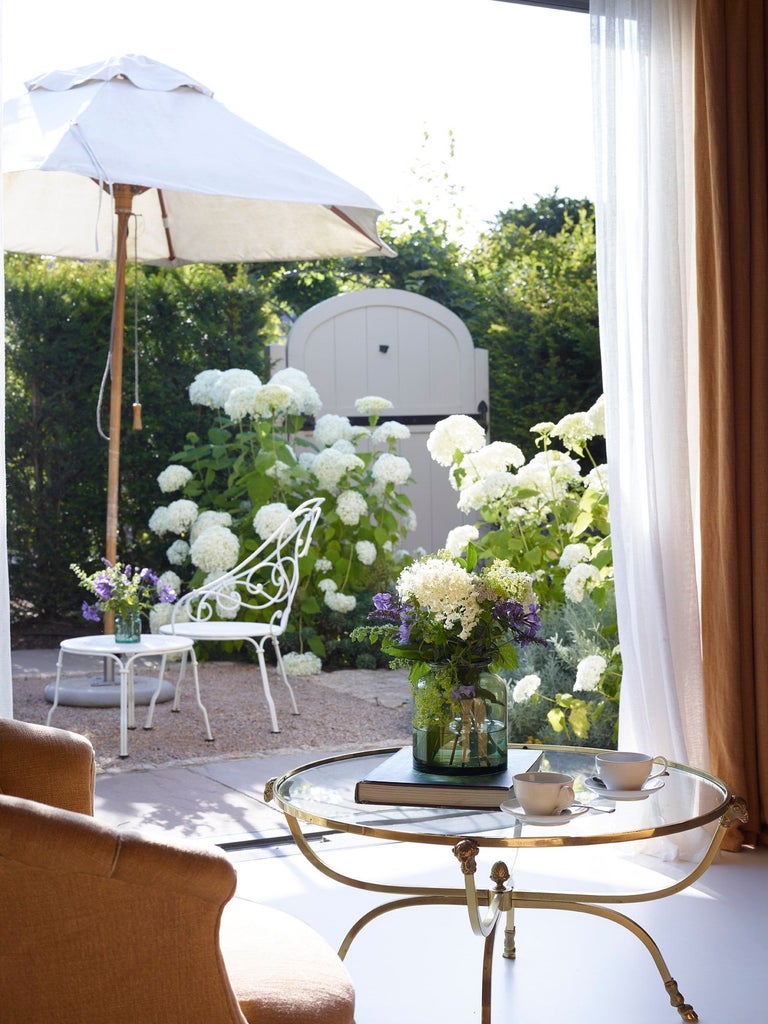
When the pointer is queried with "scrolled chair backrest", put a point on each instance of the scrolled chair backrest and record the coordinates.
(267, 578)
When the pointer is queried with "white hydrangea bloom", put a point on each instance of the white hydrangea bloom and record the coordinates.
(332, 465)
(343, 445)
(445, 589)
(580, 580)
(525, 688)
(274, 401)
(160, 521)
(330, 428)
(410, 520)
(596, 417)
(201, 389)
(597, 479)
(391, 469)
(304, 398)
(228, 599)
(589, 671)
(496, 457)
(459, 538)
(327, 585)
(178, 552)
(302, 664)
(306, 459)
(242, 402)
(281, 472)
(323, 565)
(359, 431)
(350, 505)
(228, 381)
(455, 434)
(495, 487)
(270, 518)
(160, 615)
(170, 579)
(215, 548)
(390, 431)
(366, 551)
(573, 554)
(372, 405)
(174, 478)
(574, 430)
(550, 473)
(206, 520)
(181, 514)
(338, 602)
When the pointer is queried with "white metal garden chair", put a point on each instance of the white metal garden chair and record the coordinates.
(263, 584)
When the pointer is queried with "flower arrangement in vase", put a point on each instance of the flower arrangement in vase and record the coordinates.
(125, 591)
(455, 626)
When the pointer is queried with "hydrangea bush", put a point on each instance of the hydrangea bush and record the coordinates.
(267, 449)
(548, 515)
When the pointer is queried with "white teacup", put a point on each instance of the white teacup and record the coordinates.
(623, 769)
(543, 793)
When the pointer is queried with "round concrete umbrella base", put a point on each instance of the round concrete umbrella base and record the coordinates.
(96, 692)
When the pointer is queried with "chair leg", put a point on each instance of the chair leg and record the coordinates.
(265, 684)
(281, 668)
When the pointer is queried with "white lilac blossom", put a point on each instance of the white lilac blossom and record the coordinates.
(573, 554)
(588, 672)
(390, 431)
(455, 434)
(228, 381)
(596, 417)
(178, 552)
(580, 580)
(350, 505)
(201, 388)
(525, 688)
(302, 664)
(495, 487)
(242, 402)
(574, 430)
(366, 551)
(338, 602)
(206, 520)
(331, 466)
(495, 457)
(391, 469)
(372, 405)
(459, 538)
(446, 589)
(174, 478)
(330, 428)
(215, 548)
(304, 398)
(270, 518)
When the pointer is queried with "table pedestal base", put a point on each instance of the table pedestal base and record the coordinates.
(94, 692)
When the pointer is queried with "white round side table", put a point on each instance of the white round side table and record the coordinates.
(124, 656)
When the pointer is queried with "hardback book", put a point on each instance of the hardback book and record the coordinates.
(396, 781)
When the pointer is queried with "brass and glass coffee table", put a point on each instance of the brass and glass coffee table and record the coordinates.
(321, 793)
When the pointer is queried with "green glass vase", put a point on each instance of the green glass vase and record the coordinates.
(128, 628)
(459, 726)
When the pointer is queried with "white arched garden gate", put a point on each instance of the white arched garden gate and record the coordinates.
(410, 350)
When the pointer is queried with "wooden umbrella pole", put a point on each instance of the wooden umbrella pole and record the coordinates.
(123, 199)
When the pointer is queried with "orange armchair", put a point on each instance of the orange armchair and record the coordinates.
(105, 926)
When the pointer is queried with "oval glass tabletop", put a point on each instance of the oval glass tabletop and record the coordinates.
(323, 793)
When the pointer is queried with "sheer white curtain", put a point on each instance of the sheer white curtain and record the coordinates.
(6, 682)
(642, 53)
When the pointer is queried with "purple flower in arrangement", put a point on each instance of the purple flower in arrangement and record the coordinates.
(91, 612)
(385, 607)
(404, 632)
(123, 590)
(525, 624)
(102, 588)
(166, 594)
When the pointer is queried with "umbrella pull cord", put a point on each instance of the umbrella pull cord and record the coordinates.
(136, 401)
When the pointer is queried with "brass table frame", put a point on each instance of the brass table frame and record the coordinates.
(486, 906)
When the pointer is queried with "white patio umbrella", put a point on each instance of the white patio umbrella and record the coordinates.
(132, 156)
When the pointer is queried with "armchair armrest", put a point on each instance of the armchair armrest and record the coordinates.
(50, 766)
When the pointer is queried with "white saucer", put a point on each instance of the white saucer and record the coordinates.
(513, 807)
(624, 794)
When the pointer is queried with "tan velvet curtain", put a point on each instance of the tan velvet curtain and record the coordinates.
(732, 272)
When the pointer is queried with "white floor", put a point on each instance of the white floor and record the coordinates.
(423, 964)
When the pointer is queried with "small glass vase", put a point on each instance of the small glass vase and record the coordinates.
(459, 731)
(128, 628)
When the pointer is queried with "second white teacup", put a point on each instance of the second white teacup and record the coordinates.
(543, 793)
(624, 769)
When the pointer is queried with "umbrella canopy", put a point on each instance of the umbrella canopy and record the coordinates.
(132, 155)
